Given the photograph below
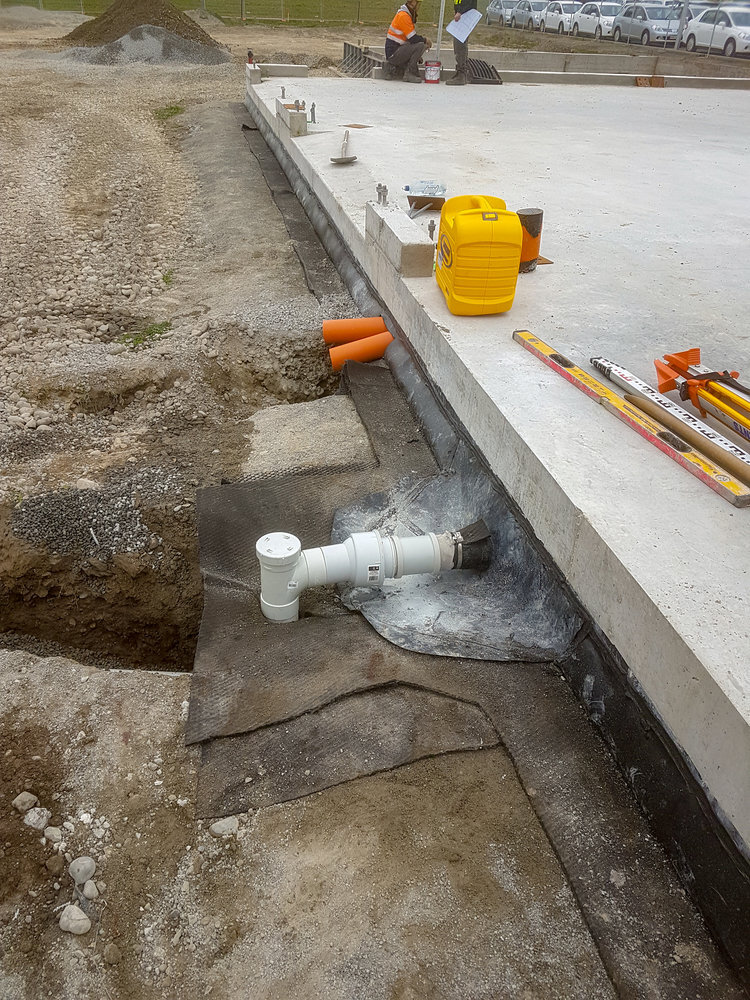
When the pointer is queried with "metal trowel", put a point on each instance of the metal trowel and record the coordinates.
(344, 158)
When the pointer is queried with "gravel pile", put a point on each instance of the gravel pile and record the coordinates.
(149, 44)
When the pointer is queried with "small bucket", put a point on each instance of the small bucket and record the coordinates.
(432, 72)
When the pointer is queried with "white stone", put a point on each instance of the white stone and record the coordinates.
(90, 890)
(82, 869)
(224, 827)
(53, 834)
(74, 920)
(37, 818)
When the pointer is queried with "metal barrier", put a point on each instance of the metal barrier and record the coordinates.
(358, 61)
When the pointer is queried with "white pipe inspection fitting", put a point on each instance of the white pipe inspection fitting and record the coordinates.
(365, 559)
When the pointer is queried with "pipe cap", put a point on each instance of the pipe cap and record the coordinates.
(278, 548)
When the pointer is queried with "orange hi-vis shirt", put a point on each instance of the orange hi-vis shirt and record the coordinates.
(402, 26)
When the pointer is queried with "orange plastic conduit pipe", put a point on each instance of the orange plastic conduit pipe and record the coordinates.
(367, 349)
(344, 331)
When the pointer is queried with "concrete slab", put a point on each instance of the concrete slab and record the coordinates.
(324, 434)
(640, 268)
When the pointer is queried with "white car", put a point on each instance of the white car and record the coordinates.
(557, 16)
(595, 19)
(723, 29)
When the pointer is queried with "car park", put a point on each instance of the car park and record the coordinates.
(723, 29)
(557, 16)
(595, 19)
(645, 23)
(499, 11)
(527, 14)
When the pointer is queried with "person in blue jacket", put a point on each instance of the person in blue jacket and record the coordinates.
(461, 49)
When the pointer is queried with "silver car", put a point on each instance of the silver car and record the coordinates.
(498, 12)
(527, 14)
(645, 23)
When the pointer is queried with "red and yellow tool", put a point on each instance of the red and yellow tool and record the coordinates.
(711, 392)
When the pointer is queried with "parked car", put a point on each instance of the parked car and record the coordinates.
(645, 24)
(694, 9)
(527, 14)
(726, 29)
(595, 19)
(498, 11)
(557, 16)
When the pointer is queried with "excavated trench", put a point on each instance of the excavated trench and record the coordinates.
(108, 573)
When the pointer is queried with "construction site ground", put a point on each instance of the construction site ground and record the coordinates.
(152, 303)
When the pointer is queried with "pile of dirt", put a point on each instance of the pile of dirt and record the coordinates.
(149, 44)
(125, 15)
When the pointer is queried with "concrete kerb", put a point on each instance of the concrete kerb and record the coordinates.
(690, 704)
(520, 66)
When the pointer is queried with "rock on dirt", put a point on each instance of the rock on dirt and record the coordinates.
(37, 818)
(74, 920)
(224, 827)
(90, 890)
(112, 954)
(82, 869)
(25, 801)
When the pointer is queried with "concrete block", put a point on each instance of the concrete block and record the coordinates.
(280, 69)
(253, 75)
(404, 244)
(295, 121)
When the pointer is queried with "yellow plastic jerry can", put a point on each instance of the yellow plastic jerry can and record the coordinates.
(479, 253)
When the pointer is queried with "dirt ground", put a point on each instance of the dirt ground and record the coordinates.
(152, 303)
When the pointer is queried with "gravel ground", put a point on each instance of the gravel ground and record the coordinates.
(151, 304)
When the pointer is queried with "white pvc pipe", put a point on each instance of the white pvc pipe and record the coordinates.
(365, 559)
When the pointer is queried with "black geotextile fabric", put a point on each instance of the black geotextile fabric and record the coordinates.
(300, 707)
(356, 735)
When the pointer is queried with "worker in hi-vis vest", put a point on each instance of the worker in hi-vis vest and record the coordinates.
(461, 49)
(403, 46)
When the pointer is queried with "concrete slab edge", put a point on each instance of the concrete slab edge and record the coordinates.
(577, 68)
(727, 845)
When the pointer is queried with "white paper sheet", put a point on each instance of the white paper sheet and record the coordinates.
(463, 28)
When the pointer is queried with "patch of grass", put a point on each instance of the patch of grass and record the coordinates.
(168, 277)
(143, 338)
(162, 114)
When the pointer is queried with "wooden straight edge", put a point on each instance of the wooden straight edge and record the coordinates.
(667, 442)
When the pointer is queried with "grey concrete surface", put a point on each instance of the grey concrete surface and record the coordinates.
(648, 259)
(324, 434)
